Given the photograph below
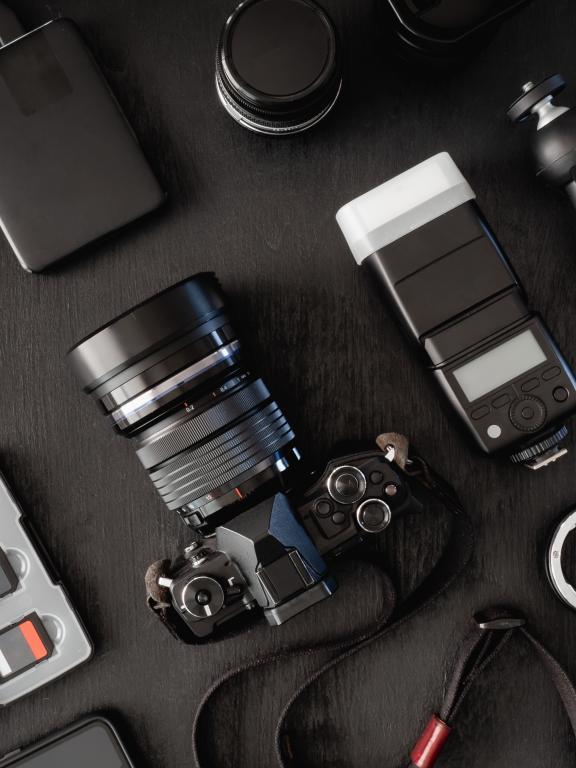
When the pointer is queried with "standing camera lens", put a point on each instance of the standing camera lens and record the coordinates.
(170, 375)
(278, 65)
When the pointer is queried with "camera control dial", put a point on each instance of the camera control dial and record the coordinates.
(346, 485)
(373, 515)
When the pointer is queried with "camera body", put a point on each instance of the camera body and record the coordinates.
(425, 242)
(273, 556)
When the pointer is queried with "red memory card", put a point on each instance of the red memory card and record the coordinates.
(23, 646)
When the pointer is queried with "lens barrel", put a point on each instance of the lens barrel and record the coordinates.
(170, 374)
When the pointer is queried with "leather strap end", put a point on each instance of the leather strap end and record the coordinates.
(429, 746)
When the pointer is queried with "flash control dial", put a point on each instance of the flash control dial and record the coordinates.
(528, 413)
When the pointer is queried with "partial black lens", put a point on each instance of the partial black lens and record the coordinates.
(278, 66)
(170, 375)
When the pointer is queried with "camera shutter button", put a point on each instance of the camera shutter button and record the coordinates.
(528, 413)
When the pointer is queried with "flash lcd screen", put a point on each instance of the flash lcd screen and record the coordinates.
(499, 366)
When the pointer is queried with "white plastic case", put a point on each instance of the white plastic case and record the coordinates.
(38, 593)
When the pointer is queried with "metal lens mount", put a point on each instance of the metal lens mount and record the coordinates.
(561, 586)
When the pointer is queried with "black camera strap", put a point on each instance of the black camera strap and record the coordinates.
(492, 632)
(452, 562)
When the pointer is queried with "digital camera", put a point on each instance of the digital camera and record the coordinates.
(170, 374)
(273, 555)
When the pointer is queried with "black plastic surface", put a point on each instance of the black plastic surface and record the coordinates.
(279, 48)
(452, 19)
(72, 169)
(91, 743)
(443, 269)
(139, 331)
(503, 406)
(473, 329)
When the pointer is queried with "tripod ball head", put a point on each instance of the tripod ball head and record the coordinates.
(554, 142)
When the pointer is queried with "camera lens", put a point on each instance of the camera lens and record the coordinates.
(278, 66)
(170, 374)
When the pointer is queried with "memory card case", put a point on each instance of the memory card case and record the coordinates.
(72, 168)
(41, 636)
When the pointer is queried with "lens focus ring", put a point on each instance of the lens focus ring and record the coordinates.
(194, 429)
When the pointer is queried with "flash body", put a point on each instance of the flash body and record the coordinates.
(423, 239)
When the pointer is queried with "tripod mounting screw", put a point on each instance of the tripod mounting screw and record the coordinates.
(533, 94)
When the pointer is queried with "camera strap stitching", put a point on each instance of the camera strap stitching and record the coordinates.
(450, 565)
(482, 646)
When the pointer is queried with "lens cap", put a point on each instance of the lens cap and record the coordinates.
(278, 65)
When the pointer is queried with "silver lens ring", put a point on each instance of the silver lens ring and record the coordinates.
(561, 586)
(139, 406)
(267, 128)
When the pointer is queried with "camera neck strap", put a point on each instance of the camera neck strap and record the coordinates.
(450, 565)
(493, 630)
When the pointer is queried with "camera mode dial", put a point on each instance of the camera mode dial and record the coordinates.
(202, 597)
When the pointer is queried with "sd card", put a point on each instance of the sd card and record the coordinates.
(8, 579)
(23, 646)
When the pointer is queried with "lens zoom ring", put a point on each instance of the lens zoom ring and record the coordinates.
(223, 477)
(190, 462)
(218, 444)
(194, 429)
(211, 473)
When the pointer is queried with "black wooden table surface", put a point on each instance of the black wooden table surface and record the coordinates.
(260, 212)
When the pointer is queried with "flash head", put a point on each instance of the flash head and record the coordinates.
(425, 242)
(407, 202)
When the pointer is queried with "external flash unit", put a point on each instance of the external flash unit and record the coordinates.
(425, 241)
